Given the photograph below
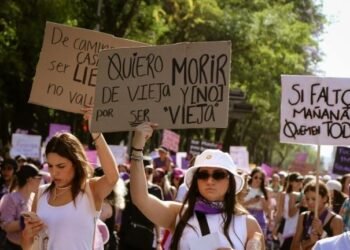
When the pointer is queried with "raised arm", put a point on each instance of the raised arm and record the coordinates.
(102, 186)
(161, 213)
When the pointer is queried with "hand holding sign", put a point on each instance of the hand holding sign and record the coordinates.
(142, 133)
(87, 111)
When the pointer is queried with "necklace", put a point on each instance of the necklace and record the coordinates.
(65, 189)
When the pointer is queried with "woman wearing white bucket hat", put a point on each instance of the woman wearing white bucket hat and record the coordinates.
(209, 217)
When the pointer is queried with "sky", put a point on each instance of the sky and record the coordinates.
(335, 46)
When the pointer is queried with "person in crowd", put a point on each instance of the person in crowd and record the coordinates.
(345, 214)
(124, 171)
(210, 207)
(311, 229)
(182, 190)
(69, 206)
(186, 161)
(345, 182)
(288, 210)
(137, 232)
(177, 177)
(275, 184)
(162, 180)
(8, 170)
(163, 161)
(341, 241)
(283, 176)
(245, 189)
(325, 178)
(26, 182)
(257, 200)
(21, 160)
(337, 197)
(111, 210)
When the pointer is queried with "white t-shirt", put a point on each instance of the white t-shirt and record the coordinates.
(253, 192)
(341, 242)
(70, 226)
(237, 231)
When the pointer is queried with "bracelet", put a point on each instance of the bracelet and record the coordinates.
(136, 158)
(137, 153)
(136, 149)
(95, 139)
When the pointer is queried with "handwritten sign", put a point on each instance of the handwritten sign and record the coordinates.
(66, 73)
(170, 140)
(197, 147)
(120, 153)
(315, 110)
(342, 161)
(183, 85)
(27, 145)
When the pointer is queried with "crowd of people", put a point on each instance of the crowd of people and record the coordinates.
(151, 203)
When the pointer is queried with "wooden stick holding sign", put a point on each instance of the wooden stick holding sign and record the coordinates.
(317, 172)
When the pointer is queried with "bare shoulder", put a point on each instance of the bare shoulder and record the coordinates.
(251, 221)
(252, 227)
(337, 218)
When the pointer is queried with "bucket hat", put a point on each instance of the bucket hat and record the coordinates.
(215, 158)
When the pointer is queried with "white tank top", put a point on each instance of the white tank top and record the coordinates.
(290, 224)
(69, 226)
(237, 231)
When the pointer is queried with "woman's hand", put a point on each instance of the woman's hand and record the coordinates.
(142, 133)
(87, 110)
(32, 227)
(317, 226)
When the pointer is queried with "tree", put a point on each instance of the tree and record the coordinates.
(269, 38)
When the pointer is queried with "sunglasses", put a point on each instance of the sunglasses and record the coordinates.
(216, 175)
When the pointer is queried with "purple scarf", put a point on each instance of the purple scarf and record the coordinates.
(208, 207)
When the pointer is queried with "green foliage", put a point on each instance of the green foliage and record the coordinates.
(269, 38)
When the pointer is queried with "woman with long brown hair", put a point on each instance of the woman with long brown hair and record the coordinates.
(210, 207)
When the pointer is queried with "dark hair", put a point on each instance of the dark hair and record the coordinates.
(10, 162)
(337, 201)
(190, 200)
(322, 189)
(343, 180)
(262, 183)
(28, 170)
(68, 146)
(292, 177)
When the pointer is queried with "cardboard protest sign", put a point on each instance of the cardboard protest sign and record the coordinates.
(183, 85)
(66, 73)
(342, 161)
(197, 147)
(27, 145)
(315, 110)
(120, 153)
(170, 140)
